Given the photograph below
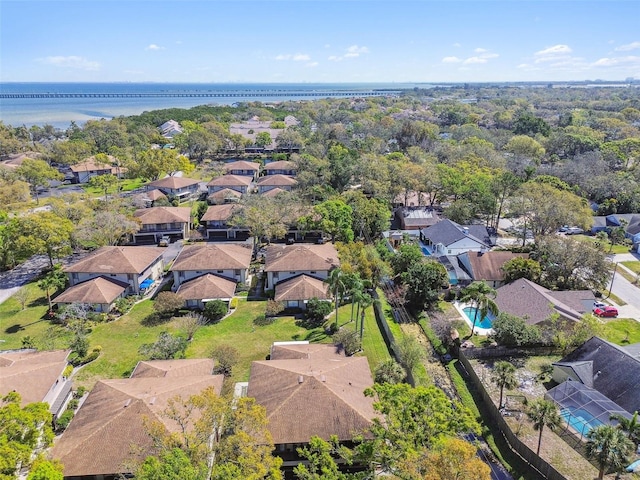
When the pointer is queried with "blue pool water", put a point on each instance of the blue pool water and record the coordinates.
(580, 420)
(470, 312)
(425, 251)
(453, 278)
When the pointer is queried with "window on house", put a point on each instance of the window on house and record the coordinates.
(236, 272)
(292, 273)
(220, 271)
(313, 271)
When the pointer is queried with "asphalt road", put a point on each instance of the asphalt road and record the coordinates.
(623, 289)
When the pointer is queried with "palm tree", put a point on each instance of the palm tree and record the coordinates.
(504, 376)
(337, 287)
(543, 413)
(609, 447)
(630, 426)
(481, 296)
(366, 301)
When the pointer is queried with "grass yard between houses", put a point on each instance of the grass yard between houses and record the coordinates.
(634, 266)
(16, 323)
(621, 331)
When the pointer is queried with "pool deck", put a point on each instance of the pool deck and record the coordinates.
(478, 330)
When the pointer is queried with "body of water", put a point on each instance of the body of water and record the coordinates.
(472, 314)
(60, 112)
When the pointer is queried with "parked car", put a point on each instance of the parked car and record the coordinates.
(564, 228)
(607, 311)
(164, 241)
(599, 305)
(574, 231)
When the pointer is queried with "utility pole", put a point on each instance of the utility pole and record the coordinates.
(615, 268)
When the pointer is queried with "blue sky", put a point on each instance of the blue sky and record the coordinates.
(318, 41)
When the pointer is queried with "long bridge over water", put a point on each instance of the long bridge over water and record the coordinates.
(244, 94)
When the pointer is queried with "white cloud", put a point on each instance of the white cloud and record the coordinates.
(296, 57)
(615, 61)
(312, 64)
(153, 46)
(353, 51)
(553, 51)
(457, 45)
(451, 60)
(71, 61)
(480, 50)
(628, 46)
(474, 60)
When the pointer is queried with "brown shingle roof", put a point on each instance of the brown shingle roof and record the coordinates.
(91, 164)
(231, 180)
(320, 396)
(280, 165)
(31, 373)
(173, 182)
(274, 192)
(531, 301)
(212, 257)
(299, 257)
(224, 194)
(242, 165)
(156, 215)
(96, 290)
(206, 287)
(154, 195)
(220, 212)
(110, 260)
(275, 180)
(173, 368)
(302, 287)
(108, 430)
(487, 266)
(301, 350)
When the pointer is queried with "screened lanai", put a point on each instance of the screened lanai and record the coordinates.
(584, 408)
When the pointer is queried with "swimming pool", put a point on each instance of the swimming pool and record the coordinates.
(580, 419)
(486, 322)
(425, 251)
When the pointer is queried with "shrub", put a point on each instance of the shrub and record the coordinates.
(73, 404)
(262, 320)
(215, 310)
(317, 310)
(389, 371)
(79, 393)
(80, 344)
(68, 370)
(348, 339)
(123, 305)
(274, 308)
(167, 303)
(62, 422)
(513, 331)
(91, 357)
(166, 347)
(233, 303)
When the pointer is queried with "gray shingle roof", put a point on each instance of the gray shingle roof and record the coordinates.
(448, 232)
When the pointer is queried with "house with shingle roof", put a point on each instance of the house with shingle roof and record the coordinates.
(311, 390)
(37, 376)
(526, 299)
(159, 221)
(239, 183)
(99, 293)
(200, 290)
(216, 223)
(170, 129)
(280, 167)
(228, 260)
(244, 168)
(487, 266)
(610, 369)
(285, 261)
(179, 187)
(226, 195)
(129, 266)
(296, 291)
(269, 182)
(449, 238)
(416, 218)
(91, 167)
(108, 435)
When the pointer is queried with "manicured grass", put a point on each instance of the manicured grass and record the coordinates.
(126, 185)
(634, 266)
(252, 341)
(16, 323)
(622, 331)
(616, 299)
(607, 248)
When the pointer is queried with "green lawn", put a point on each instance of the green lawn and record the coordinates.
(622, 331)
(634, 266)
(126, 185)
(16, 323)
(607, 246)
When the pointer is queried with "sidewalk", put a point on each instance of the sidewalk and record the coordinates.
(625, 290)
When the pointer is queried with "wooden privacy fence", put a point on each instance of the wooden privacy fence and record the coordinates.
(495, 417)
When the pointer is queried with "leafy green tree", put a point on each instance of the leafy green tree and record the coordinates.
(335, 218)
(52, 282)
(263, 139)
(106, 183)
(22, 430)
(543, 413)
(348, 340)
(424, 280)
(43, 469)
(609, 447)
(166, 303)
(165, 348)
(172, 464)
(389, 371)
(106, 227)
(317, 310)
(410, 353)
(520, 267)
(225, 356)
(504, 376)
(513, 331)
(481, 296)
(370, 216)
(528, 124)
(322, 465)
(37, 173)
(45, 233)
(408, 254)
(411, 419)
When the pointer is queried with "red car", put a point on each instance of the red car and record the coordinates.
(607, 311)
